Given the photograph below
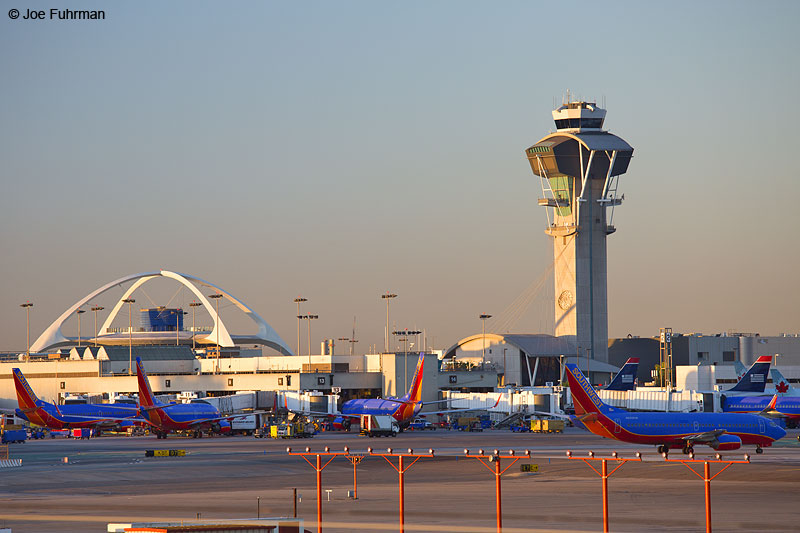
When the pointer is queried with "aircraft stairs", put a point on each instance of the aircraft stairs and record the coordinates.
(510, 420)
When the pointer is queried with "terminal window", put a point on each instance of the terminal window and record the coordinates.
(728, 356)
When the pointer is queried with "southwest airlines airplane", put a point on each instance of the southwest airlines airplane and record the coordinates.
(194, 417)
(402, 409)
(626, 377)
(721, 431)
(52, 416)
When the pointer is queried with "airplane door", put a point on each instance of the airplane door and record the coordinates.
(761, 428)
(617, 427)
(696, 426)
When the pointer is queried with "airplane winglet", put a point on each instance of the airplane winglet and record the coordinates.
(770, 410)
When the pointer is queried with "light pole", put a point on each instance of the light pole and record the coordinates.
(345, 339)
(298, 301)
(310, 318)
(707, 477)
(498, 471)
(79, 312)
(216, 298)
(95, 309)
(605, 474)
(483, 318)
(318, 468)
(130, 301)
(194, 305)
(401, 468)
(178, 313)
(27, 306)
(403, 336)
(387, 297)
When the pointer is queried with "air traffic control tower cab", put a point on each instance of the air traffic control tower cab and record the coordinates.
(579, 166)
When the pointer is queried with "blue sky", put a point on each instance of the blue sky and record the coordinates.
(337, 150)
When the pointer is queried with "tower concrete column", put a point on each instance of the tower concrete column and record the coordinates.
(579, 167)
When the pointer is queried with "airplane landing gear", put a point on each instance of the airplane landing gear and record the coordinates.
(759, 449)
(663, 449)
(688, 449)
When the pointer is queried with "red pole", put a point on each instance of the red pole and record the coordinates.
(319, 494)
(355, 481)
(707, 480)
(402, 496)
(605, 495)
(497, 474)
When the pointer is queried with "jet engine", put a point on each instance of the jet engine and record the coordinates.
(727, 443)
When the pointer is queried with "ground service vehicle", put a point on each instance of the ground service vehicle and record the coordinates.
(421, 424)
(378, 426)
(14, 435)
(547, 426)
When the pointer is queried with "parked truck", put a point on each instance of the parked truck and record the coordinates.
(14, 435)
(244, 424)
(378, 426)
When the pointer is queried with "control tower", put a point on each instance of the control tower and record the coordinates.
(579, 166)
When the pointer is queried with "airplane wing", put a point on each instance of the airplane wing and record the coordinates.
(229, 418)
(769, 411)
(705, 437)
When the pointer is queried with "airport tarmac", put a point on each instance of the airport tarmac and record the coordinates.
(110, 480)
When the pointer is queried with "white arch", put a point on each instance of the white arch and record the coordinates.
(52, 336)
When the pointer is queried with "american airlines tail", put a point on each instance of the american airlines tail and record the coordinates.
(755, 380)
(626, 377)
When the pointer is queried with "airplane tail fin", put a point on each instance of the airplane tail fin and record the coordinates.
(782, 385)
(755, 380)
(146, 396)
(30, 406)
(626, 377)
(584, 397)
(740, 370)
(26, 398)
(414, 394)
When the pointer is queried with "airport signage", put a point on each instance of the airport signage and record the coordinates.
(164, 453)
(529, 468)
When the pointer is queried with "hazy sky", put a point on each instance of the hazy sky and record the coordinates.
(337, 150)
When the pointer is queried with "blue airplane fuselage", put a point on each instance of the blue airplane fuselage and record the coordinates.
(788, 406)
(80, 415)
(377, 406)
(183, 415)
